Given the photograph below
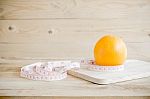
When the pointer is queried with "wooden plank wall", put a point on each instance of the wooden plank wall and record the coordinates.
(68, 29)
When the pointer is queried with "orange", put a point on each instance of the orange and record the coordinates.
(110, 50)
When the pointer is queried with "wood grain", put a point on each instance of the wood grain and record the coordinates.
(69, 39)
(11, 84)
(43, 30)
(83, 97)
(102, 9)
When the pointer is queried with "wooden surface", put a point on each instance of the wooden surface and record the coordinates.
(27, 39)
(13, 85)
(133, 69)
(84, 97)
(35, 30)
(64, 29)
(74, 9)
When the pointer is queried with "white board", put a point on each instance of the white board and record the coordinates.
(134, 69)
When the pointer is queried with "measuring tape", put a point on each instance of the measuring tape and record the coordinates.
(91, 65)
(57, 70)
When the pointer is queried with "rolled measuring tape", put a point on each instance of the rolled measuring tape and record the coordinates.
(48, 71)
(57, 70)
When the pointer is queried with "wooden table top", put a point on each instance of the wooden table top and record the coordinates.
(34, 30)
(11, 84)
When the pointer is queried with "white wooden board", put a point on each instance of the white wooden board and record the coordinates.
(134, 69)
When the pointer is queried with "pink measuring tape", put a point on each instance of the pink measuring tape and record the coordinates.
(48, 71)
(92, 66)
(57, 70)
